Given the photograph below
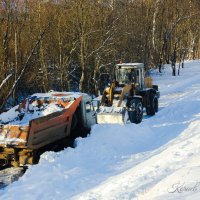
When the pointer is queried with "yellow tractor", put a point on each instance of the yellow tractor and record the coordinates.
(130, 91)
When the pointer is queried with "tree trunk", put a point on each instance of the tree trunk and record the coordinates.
(179, 67)
(23, 70)
(82, 59)
(82, 80)
(173, 69)
(96, 71)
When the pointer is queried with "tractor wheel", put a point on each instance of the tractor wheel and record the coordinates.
(156, 104)
(153, 105)
(135, 111)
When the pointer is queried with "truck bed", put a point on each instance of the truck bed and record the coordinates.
(42, 130)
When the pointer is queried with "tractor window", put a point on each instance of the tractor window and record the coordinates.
(125, 75)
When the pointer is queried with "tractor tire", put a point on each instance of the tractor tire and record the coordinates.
(153, 105)
(135, 111)
(156, 104)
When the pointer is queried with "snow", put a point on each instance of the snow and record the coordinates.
(7, 176)
(55, 94)
(4, 140)
(46, 110)
(157, 159)
(33, 110)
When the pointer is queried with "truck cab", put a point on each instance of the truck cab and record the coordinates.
(84, 117)
(88, 112)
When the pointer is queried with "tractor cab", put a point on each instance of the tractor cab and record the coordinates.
(127, 73)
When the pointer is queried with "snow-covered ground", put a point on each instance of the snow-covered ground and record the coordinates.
(157, 159)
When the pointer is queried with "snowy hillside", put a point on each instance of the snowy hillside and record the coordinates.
(157, 159)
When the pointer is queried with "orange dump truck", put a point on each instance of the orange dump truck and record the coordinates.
(41, 120)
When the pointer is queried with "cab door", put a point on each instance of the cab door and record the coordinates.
(90, 114)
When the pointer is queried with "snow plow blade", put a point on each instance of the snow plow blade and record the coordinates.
(111, 115)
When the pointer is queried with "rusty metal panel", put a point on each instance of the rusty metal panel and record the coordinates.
(13, 135)
(48, 129)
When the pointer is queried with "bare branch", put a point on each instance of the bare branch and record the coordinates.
(24, 68)
(5, 80)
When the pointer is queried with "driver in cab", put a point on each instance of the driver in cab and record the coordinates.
(129, 76)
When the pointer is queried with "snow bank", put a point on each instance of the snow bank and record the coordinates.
(157, 159)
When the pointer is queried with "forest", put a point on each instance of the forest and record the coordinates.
(66, 45)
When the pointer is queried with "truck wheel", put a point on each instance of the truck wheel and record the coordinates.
(156, 104)
(135, 111)
(74, 121)
(153, 105)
